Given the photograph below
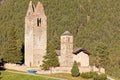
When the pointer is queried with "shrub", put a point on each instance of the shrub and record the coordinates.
(75, 71)
(100, 77)
(88, 75)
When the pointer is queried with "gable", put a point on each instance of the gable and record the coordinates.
(79, 50)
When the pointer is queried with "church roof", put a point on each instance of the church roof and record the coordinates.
(78, 50)
(67, 33)
(75, 51)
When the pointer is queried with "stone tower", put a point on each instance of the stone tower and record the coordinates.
(66, 55)
(35, 35)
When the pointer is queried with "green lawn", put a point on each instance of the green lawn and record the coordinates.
(15, 76)
(6, 75)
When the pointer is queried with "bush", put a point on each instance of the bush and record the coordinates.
(88, 75)
(100, 77)
(75, 71)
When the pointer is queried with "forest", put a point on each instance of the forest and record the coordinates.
(95, 25)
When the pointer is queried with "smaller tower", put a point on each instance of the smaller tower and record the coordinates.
(66, 57)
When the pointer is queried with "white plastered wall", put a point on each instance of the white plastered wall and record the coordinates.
(82, 58)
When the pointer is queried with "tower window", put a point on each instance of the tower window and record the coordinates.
(38, 21)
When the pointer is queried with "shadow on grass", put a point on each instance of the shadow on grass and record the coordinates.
(2, 68)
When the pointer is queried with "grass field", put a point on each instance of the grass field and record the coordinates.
(15, 76)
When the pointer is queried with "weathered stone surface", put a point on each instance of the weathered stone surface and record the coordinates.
(35, 35)
(66, 55)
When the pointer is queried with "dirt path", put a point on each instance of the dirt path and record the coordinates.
(110, 78)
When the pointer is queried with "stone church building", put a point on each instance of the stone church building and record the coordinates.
(36, 41)
(36, 46)
(67, 55)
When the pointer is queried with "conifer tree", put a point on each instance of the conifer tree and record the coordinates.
(102, 55)
(50, 59)
(12, 53)
(75, 71)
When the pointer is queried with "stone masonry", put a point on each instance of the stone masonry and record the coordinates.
(66, 55)
(35, 35)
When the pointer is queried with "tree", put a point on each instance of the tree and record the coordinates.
(102, 55)
(100, 77)
(75, 71)
(50, 59)
(12, 53)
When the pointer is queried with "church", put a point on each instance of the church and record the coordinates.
(36, 41)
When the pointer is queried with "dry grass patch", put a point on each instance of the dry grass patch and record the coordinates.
(65, 76)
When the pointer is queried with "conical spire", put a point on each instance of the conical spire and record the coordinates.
(39, 9)
(31, 9)
(66, 33)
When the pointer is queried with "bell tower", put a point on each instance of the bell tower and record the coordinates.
(35, 35)
(66, 55)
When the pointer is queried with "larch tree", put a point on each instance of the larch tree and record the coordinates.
(102, 56)
(12, 53)
(50, 59)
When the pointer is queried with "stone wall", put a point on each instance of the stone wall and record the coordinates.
(15, 67)
(64, 70)
(54, 70)
(100, 70)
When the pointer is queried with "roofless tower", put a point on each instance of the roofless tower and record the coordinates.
(35, 35)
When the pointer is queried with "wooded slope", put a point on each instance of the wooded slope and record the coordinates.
(90, 21)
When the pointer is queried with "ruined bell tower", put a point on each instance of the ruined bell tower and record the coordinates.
(35, 35)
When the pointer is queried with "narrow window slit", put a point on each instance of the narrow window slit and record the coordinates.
(38, 21)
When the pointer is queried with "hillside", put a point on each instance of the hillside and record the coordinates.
(90, 21)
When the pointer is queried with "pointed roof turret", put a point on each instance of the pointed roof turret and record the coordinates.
(67, 33)
(31, 9)
(39, 9)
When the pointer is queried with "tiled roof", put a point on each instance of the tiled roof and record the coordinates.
(78, 50)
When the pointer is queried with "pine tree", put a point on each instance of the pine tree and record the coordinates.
(75, 71)
(50, 59)
(12, 53)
